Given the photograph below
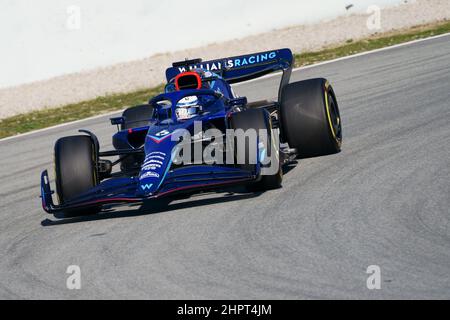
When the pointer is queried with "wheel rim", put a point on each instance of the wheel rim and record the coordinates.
(335, 119)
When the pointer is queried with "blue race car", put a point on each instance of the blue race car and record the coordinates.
(198, 135)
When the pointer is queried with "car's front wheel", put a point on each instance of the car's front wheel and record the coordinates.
(75, 170)
(259, 120)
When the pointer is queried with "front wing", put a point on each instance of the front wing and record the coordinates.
(125, 190)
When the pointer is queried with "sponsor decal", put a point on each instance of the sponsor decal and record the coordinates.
(151, 167)
(156, 154)
(153, 161)
(149, 174)
(146, 186)
(233, 63)
(155, 157)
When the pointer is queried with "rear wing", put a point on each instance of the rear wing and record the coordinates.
(241, 68)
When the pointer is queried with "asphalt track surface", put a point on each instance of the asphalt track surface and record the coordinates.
(384, 200)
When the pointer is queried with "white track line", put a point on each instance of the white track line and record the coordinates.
(249, 81)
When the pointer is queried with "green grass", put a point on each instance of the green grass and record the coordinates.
(49, 117)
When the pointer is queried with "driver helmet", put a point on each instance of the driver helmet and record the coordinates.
(187, 108)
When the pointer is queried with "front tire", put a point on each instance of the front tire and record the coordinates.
(75, 170)
(259, 119)
(310, 118)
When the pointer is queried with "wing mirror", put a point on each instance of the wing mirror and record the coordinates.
(117, 122)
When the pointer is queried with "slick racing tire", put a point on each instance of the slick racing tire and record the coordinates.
(258, 119)
(75, 170)
(137, 116)
(310, 119)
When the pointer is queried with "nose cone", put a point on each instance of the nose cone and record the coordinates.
(159, 150)
(153, 170)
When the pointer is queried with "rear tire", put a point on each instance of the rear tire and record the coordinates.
(138, 116)
(259, 119)
(310, 118)
(75, 170)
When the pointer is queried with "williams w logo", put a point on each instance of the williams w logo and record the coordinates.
(146, 186)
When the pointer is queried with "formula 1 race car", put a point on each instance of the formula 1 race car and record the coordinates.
(198, 135)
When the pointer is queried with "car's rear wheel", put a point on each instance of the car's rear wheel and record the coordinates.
(259, 119)
(310, 118)
(75, 170)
